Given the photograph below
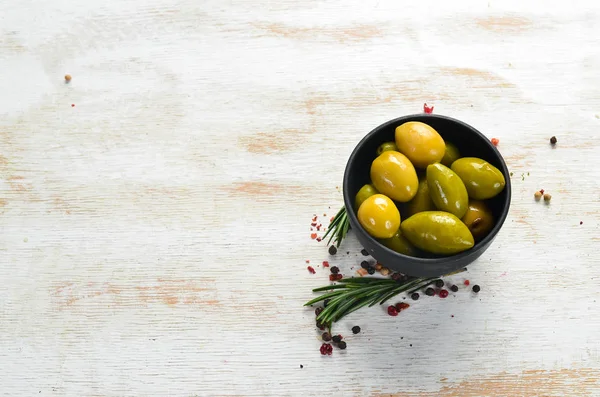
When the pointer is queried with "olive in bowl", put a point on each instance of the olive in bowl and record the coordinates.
(444, 228)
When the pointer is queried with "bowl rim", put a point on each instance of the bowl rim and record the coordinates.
(348, 202)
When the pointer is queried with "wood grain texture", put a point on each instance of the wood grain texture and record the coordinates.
(154, 237)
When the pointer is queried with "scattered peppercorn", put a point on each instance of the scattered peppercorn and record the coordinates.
(396, 276)
(320, 325)
(439, 283)
(337, 338)
(454, 288)
(355, 329)
(318, 310)
(313, 235)
(581, 222)
(325, 264)
(326, 349)
(335, 277)
(553, 140)
(542, 191)
(365, 264)
(371, 270)
(311, 269)
(325, 302)
(427, 109)
(443, 293)
(547, 197)
(301, 366)
(342, 345)
(476, 288)
(67, 78)
(384, 271)
(467, 282)
(430, 292)
(378, 266)
(392, 311)
(326, 336)
(72, 105)
(414, 296)
(332, 250)
(537, 195)
(364, 252)
(402, 306)
(495, 141)
(334, 269)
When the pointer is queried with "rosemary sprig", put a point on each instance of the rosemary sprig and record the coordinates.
(338, 228)
(351, 294)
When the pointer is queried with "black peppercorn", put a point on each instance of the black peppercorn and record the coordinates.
(326, 336)
(334, 270)
(318, 311)
(364, 252)
(325, 302)
(371, 270)
(336, 338)
(365, 264)
(342, 345)
(439, 283)
(476, 288)
(454, 288)
(396, 276)
(553, 140)
(332, 250)
(414, 296)
(429, 292)
(320, 325)
(355, 329)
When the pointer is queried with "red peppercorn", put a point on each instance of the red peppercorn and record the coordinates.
(443, 293)
(495, 141)
(326, 349)
(467, 282)
(392, 311)
(308, 261)
(427, 109)
(335, 277)
(313, 224)
(581, 222)
(319, 239)
(402, 306)
(311, 270)
(325, 264)
(542, 191)
(318, 311)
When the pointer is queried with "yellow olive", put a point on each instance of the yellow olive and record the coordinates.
(393, 174)
(437, 232)
(384, 147)
(420, 143)
(479, 219)
(400, 244)
(364, 193)
(483, 180)
(421, 202)
(447, 190)
(379, 216)
(450, 155)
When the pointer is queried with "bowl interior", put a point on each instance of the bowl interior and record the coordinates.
(470, 143)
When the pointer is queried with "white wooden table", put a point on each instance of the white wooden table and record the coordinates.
(153, 236)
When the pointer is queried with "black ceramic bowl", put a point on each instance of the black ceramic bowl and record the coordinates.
(470, 143)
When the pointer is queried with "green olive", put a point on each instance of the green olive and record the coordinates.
(483, 180)
(387, 146)
(450, 155)
(447, 190)
(379, 216)
(400, 244)
(364, 193)
(421, 202)
(418, 141)
(393, 175)
(437, 232)
(479, 219)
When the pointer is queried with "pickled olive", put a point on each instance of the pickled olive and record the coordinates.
(447, 190)
(450, 155)
(479, 219)
(400, 244)
(421, 202)
(482, 180)
(364, 193)
(387, 146)
(379, 216)
(420, 143)
(437, 232)
(393, 175)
